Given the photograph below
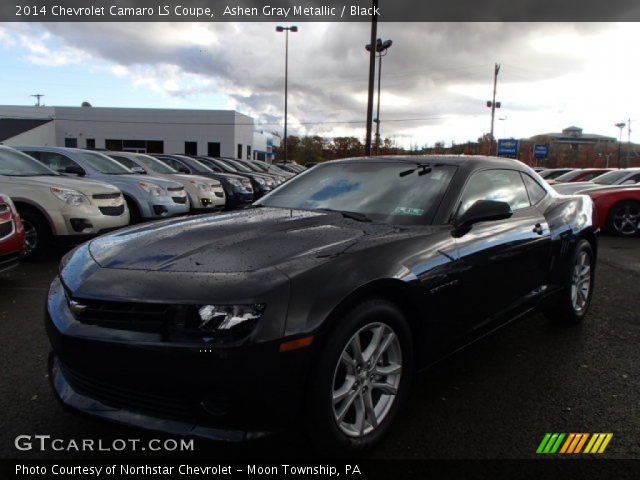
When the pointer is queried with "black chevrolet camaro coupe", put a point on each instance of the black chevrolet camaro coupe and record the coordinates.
(315, 305)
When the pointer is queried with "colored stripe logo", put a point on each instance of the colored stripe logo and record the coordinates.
(574, 443)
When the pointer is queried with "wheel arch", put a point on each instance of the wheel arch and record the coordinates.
(615, 204)
(26, 204)
(395, 291)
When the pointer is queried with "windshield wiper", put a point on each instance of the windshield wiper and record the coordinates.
(423, 168)
(360, 217)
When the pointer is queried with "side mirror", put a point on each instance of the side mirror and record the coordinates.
(138, 170)
(75, 170)
(481, 211)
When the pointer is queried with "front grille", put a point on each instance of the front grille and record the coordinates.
(181, 200)
(127, 398)
(112, 211)
(219, 194)
(175, 189)
(106, 196)
(6, 228)
(139, 317)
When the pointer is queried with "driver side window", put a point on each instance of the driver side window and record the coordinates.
(56, 162)
(499, 185)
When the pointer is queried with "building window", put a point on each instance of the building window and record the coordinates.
(248, 152)
(71, 142)
(213, 149)
(239, 151)
(191, 148)
(91, 143)
(138, 146)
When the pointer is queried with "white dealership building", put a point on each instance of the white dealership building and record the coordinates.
(225, 133)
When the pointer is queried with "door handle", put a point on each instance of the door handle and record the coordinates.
(538, 229)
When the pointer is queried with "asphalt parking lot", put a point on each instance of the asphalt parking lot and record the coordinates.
(496, 399)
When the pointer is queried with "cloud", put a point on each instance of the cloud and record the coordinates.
(440, 73)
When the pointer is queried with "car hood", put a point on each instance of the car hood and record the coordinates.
(243, 241)
(82, 185)
(184, 178)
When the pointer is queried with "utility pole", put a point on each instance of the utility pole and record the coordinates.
(493, 104)
(372, 75)
(37, 96)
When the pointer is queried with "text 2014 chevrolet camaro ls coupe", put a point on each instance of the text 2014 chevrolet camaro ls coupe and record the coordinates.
(315, 305)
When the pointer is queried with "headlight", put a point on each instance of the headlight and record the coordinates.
(228, 319)
(153, 189)
(281, 179)
(236, 183)
(202, 187)
(69, 196)
(271, 182)
(261, 181)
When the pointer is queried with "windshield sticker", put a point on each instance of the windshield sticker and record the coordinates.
(408, 211)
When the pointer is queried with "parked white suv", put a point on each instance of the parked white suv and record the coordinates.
(56, 209)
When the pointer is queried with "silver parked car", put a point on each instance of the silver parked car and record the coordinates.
(56, 209)
(205, 194)
(147, 198)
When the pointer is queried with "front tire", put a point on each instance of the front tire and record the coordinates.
(575, 298)
(38, 236)
(362, 378)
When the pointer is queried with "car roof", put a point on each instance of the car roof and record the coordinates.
(471, 162)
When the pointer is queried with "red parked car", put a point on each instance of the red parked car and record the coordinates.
(617, 209)
(12, 242)
(579, 175)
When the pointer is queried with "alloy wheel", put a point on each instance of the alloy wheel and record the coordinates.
(366, 379)
(626, 220)
(581, 282)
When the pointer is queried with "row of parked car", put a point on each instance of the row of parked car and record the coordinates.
(55, 196)
(615, 194)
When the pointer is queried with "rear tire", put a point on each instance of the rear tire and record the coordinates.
(38, 235)
(575, 298)
(354, 398)
(624, 219)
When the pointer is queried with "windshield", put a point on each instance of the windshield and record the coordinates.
(199, 166)
(104, 164)
(610, 178)
(223, 165)
(567, 177)
(154, 164)
(18, 164)
(375, 189)
(551, 174)
(238, 166)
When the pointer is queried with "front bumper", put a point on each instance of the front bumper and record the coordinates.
(236, 199)
(230, 393)
(163, 207)
(93, 222)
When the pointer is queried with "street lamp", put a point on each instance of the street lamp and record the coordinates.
(620, 125)
(292, 29)
(382, 48)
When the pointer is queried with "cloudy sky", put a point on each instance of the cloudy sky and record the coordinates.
(435, 79)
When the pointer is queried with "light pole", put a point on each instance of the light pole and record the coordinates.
(620, 125)
(286, 79)
(492, 104)
(382, 48)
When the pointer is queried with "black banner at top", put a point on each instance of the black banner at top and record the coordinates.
(318, 11)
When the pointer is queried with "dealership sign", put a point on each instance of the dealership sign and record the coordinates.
(508, 147)
(541, 151)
